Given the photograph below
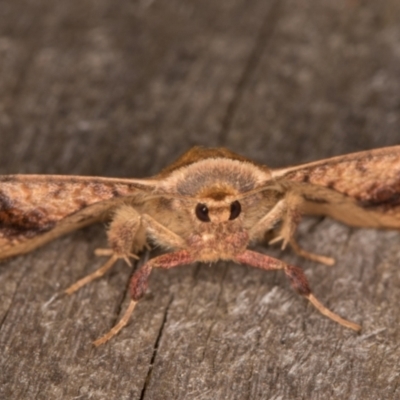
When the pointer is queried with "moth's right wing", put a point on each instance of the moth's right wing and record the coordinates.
(360, 189)
(35, 209)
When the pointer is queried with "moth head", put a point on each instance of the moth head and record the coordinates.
(218, 213)
(217, 204)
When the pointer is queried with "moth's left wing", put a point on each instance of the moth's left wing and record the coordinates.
(35, 209)
(360, 189)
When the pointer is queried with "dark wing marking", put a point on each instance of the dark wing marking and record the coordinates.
(35, 209)
(361, 189)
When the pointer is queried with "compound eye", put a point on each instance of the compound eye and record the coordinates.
(236, 208)
(202, 212)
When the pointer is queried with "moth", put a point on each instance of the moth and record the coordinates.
(209, 205)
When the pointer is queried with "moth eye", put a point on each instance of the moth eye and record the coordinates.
(236, 208)
(202, 212)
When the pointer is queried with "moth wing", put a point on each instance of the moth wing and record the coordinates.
(360, 189)
(35, 209)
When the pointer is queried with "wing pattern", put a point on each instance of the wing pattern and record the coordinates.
(371, 178)
(36, 208)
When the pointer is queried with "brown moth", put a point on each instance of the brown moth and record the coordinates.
(211, 204)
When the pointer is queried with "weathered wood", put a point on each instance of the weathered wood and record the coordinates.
(120, 89)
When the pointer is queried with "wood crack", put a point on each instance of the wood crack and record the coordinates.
(210, 329)
(264, 35)
(155, 351)
(16, 291)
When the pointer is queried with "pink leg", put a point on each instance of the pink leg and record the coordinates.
(139, 283)
(297, 279)
(139, 280)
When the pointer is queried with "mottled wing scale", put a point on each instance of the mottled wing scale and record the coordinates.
(360, 189)
(35, 209)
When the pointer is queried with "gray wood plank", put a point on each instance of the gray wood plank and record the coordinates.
(120, 89)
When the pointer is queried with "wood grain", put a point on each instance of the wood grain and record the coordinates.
(95, 87)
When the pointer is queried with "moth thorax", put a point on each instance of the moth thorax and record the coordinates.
(217, 192)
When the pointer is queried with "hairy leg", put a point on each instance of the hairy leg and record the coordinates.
(287, 210)
(125, 236)
(310, 256)
(297, 279)
(139, 284)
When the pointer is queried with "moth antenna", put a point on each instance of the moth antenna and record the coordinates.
(274, 186)
(94, 275)
(116, 328)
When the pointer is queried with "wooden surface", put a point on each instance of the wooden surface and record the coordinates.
(121, 88)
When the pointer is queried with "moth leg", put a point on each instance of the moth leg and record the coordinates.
(310, 256)
(94, 275)
(125, 236)
(269, 220)
(139, 283)
(287, 210)
(298, 281)
(291, 219)
(161, 234)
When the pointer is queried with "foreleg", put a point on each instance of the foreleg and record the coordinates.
(297, 279)
(126, 236)
(287, 210)
(139, 283)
